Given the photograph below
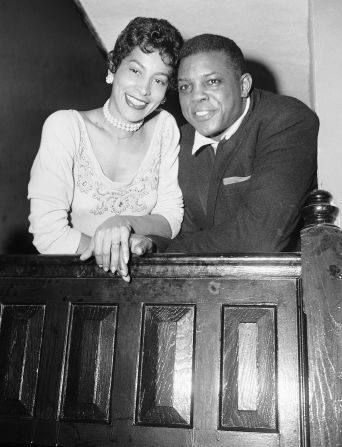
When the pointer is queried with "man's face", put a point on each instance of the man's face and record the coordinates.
(212, 96)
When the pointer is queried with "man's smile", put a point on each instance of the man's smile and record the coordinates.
(203, 115)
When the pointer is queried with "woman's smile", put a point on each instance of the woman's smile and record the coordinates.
(134, 102)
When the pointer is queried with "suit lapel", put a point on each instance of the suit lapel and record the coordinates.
(225, 161)
(194, 176)
(205, 166)
(227, 158)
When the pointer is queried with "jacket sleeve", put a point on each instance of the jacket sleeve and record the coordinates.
(51, 187)
(268, 213)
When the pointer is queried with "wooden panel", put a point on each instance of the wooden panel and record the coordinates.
(166, 366)
(175, 296)
(208, 296)
(247, 380)
(322, 285)
(248, 398)
(89, 363)
(20, 346)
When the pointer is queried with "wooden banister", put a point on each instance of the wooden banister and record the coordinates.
(321, 244)
(197, 351)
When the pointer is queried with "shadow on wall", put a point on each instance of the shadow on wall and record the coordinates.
(49, 61)
(19, 241)
(263, 78)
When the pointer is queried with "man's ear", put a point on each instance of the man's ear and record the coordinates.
(246, 84)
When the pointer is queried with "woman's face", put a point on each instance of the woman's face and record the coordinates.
(139, 86)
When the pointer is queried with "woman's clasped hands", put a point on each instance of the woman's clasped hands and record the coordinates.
(111, 246)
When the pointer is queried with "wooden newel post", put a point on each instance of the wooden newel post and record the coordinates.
(321, 243)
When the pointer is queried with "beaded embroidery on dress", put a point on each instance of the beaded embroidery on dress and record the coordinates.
(128, 199)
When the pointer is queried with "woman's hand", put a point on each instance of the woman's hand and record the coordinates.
(110, 245)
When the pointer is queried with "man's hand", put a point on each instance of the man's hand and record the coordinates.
(141, 245)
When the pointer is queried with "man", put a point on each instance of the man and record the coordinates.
(247, 159)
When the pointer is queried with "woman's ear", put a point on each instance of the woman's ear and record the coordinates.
(246, 84)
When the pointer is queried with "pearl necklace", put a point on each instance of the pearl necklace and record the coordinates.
(128, 127)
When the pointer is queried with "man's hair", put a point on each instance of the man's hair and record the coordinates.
(149, 34)
(206, 43)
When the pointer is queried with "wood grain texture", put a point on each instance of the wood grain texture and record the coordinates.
(89, 363)
(263, 266)
(247, 380)
(263, 418)
(20, 347)
(166, 368)
(322, 285)
(193, 299)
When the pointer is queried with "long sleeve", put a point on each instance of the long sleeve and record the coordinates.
(51, 187)
(169, 200)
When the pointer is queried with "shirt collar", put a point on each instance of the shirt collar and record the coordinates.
(201, 140)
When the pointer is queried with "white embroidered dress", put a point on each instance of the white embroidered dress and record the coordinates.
(70, 194)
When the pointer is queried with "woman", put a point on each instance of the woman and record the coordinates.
(102, 174)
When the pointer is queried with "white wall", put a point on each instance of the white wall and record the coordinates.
(298, 41)
(327, 75)
(271, 32)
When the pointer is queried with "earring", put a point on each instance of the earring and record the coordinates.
(109, 78)
(163, 101)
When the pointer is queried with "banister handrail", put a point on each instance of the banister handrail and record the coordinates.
(156, 265)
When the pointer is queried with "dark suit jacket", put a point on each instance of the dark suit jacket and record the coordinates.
(248, 198)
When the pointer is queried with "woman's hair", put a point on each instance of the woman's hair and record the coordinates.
(149, 34)
(206, 43)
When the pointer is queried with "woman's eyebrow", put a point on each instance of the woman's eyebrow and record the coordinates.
(144, 67)
(136, 62)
